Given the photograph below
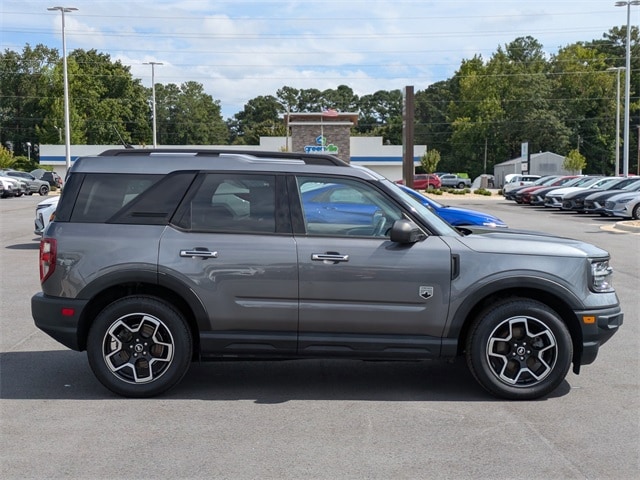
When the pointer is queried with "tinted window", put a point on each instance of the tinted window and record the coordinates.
(102, 195)
(158, 203)
(231, 203)
(342, 207)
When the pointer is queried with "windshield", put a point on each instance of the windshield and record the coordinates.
(587, 182)
(632, 186)
(438, 224)
(606, 182)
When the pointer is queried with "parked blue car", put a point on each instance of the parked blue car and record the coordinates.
(337, 204)
(456, 216)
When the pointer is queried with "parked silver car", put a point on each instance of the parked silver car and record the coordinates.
(625, 205)
(33, 184)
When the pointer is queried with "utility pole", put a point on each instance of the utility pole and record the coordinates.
(485, 155)
(153, 98)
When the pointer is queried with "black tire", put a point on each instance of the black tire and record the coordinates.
(44, 190)
(519, 349)
(139, 346)
(461, 185)
(635, 214)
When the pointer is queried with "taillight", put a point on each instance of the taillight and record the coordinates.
(47, 258)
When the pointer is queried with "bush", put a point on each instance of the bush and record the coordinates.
(482, 191)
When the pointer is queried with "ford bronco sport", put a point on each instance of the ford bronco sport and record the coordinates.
(157, 258)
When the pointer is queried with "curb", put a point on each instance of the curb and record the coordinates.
(629, 226)
(622, 227)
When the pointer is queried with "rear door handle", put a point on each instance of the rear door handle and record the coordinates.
(198, 253)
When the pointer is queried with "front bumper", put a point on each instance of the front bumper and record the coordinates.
(598, 326)
(59, 318)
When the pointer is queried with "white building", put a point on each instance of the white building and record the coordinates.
(543, 163)
(366, 151)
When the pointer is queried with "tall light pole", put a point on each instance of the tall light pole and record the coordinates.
(627, 85)
(617, 69)
(29, 151)
(67, 128)
(153, 98)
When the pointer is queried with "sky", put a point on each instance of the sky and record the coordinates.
(241, 49)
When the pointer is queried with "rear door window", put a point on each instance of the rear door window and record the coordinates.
(228, 202)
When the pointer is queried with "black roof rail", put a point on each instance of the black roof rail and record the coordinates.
(308, 158)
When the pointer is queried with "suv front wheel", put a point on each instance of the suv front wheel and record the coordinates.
(139, 346)
(519, 349)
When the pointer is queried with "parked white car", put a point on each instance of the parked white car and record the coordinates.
(554, 198)
(13, 187)
(517, 181)
(44, 213)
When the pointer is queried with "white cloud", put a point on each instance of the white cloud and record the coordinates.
(239, 49)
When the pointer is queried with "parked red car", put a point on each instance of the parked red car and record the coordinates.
(424, 181)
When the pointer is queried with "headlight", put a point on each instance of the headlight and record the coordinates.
(601, 274)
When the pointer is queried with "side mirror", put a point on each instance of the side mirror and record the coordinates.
(405, 231)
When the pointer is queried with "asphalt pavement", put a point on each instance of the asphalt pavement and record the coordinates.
(313, 419)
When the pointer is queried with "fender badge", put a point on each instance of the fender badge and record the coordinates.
(426, 292)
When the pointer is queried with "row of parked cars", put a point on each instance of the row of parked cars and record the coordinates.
(15, 183)
(606, 196)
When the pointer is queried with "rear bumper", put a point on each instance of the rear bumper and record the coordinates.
(59, 318)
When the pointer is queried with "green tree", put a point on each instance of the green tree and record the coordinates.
(260, 115)
(6, 158)
(574, 162)
(24, 83)
(105, 102)
(380, 114)
(585, 94)
(432, 127)
(186, 115)
(430, 160)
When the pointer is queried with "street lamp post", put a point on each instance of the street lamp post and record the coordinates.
(617, 69)
(67, 128)
(29, 151)
(627, 85)
(153, 98)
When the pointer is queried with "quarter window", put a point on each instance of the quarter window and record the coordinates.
(102, 195)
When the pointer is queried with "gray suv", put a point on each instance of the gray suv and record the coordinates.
(157, 258)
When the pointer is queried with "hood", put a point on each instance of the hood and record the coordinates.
(566, 190)
(460, 216)
(522, 242)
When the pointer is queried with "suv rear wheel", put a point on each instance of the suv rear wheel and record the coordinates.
(519, 349)
(44, 190)
(139, 346)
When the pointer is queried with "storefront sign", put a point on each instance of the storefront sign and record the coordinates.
(321, 146)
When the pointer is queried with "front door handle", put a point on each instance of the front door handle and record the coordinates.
(198, 253)
(329, 257)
